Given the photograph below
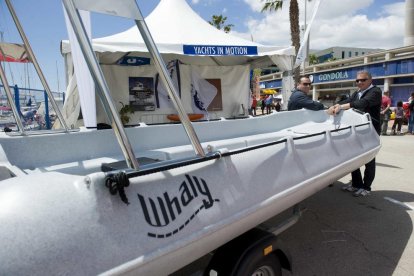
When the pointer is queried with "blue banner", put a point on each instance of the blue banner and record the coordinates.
(133, 61)
(219, 50)
(377, 70)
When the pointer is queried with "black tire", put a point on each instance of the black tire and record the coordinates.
(266, 266)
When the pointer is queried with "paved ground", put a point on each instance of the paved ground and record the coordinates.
(339, 234)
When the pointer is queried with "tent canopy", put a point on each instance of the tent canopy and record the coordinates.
(177, 29)
(180, 34)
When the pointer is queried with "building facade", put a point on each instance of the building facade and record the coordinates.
(336, 53)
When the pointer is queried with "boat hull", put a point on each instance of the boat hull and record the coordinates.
(60, 223)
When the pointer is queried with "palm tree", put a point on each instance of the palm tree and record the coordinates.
(218, 22)
(293, 18)
(294, 23)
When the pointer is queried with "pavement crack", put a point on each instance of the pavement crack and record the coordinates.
(344, 236)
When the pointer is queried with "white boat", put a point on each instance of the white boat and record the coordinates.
(80, 203)
(57, 207)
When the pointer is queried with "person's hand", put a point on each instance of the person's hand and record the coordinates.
(337, 108)
(333, 110)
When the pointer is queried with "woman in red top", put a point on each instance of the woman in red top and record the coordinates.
(254, 105)
(385, 112)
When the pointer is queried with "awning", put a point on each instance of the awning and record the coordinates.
(12, 52)
(268, 91)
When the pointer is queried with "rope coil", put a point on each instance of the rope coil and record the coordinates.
(116, 183)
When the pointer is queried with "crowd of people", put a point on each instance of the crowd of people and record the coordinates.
(266, 104)
(401, 114)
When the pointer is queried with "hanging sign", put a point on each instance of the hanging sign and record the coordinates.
(219, 50)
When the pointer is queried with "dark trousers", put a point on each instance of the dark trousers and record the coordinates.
(397, 122)
(369, 175)
(253, 111)
(268, 109)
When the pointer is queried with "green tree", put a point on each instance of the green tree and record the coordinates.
(313, 59)
(218, 21)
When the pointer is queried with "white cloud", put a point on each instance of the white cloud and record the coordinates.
(255, 5)
(353, 23)
(206, 3)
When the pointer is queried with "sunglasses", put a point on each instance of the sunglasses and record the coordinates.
(306, 83)
(360, 80)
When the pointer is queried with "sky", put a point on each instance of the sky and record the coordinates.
(350, 23)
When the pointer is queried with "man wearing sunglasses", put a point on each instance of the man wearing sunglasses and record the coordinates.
(299, 98)
(367, 99)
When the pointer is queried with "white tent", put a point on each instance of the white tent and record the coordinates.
(180, 33)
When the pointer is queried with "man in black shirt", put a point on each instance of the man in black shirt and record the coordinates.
(299, 98)
(366, 99)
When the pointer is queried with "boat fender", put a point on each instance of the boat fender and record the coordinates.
(116, 183)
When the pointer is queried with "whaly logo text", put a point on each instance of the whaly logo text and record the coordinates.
(163, 210)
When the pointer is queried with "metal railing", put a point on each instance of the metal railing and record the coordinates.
(33, 59)
(30, 92)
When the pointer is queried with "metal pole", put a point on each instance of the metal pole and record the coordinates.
(103, 90)
(35, 63)
(160, 66)
(17, 98)
(409, 23)
(10, 99)
(306, 1)
(47, 118)
(306, 25)
(2, 40)
(307, 42)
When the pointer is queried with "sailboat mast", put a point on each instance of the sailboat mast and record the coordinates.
(36, 64)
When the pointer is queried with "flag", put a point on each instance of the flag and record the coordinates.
(302, 53)
(84, 81)
(202, 92)
(163, 100)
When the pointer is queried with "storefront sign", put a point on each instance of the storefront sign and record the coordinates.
(342, 75)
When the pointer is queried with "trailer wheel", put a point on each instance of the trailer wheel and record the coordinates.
(267, 266)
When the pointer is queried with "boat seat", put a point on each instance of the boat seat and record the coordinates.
(186, 151)
(119, 165)
(105, 164)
